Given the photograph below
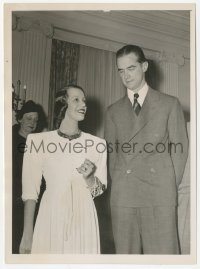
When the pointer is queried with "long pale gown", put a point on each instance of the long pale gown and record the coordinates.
(67, 219)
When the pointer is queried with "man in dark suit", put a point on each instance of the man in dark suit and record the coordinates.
(148, 146)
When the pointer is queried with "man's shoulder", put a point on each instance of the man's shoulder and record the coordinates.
(94, 138)
(116, 105)
(164, 97)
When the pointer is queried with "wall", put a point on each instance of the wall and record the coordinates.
(163, 36)
(31, 55)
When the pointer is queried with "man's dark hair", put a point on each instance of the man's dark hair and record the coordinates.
(132, 49)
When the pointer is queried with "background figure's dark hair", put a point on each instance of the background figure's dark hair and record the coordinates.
(31, 106)
(28, 107)
(132, 49)
(61, 104)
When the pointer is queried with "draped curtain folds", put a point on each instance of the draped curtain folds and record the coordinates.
(94, 70)
(97, 74)
(64, 70)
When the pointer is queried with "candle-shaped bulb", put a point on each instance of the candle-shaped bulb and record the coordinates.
(25, 93)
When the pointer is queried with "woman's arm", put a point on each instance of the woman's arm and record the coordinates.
(95, 186)
(29, 212)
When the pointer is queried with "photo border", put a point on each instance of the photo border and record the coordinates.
(103, 258)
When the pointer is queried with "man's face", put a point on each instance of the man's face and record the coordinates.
(131, 71)
(28, 123)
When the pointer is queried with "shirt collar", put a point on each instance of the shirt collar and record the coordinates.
(142, 94)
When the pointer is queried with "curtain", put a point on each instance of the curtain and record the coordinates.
(64, 67)
(97, 74)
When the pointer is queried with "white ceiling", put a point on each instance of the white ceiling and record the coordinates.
(152, 29)
(175, 23)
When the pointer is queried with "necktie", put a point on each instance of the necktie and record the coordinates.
(136, 105)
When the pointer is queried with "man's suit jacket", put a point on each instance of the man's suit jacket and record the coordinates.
(144, 168)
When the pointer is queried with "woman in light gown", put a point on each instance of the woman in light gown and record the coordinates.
(73, 164)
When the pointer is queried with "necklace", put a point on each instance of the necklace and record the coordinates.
(70, 137)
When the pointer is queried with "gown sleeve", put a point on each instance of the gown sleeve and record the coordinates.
(32, 170)
(101, 171)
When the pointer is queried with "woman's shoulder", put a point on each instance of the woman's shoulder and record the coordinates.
(95, 144)
(45, 135)
(93, 138)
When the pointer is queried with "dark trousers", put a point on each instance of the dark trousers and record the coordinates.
(145, 230)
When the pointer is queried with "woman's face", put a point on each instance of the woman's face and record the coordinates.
(28, 123)
(76, 101)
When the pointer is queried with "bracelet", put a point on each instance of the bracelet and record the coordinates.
(97, 188)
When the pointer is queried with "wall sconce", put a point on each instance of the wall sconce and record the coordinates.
(18, 96)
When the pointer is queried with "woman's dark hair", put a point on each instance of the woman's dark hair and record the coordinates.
(28, 107)
(61, 104)
(132, 49)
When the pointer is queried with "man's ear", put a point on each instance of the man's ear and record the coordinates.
(145, 66)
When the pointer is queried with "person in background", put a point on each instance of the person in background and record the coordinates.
(27, 119)
(148, 147)
(73, 164)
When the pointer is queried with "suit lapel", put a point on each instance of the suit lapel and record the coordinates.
(149, 106)
(127, 116)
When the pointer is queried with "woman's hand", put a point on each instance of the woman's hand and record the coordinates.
(25, 245)
(27, 238)
(95, 186)
(87, 169)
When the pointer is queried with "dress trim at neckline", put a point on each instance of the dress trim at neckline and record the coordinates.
(70, 137)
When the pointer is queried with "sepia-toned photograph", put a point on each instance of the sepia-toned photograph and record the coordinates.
(101, 129)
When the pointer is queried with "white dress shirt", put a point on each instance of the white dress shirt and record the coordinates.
(142, 94)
